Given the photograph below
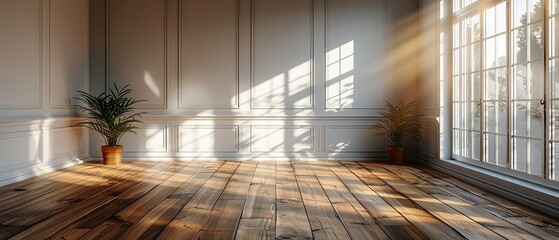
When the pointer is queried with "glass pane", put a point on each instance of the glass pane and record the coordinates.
(456, 88)
(554, 6)
(520, 47)
(520, 87)
(502, 83)
(467, 141)
(476, 87)
(456, 143)
(520, 16)
(477, 57)
(536, 80)
(490, 117)
(520, 154)
(536, 10)
(466, 87)
(456, 35)
(535, 123)
(501, 121)
(554, 35)
(555, 120)
(501, 50)
(490, 148)
(476, 151)
(471, 30)
(502, 151)
(554, 161)
(490, 85)
(456, 62)
(476, 28)
(554, 69)
(467, 55)
(501, 18)
(535, 158)
(535, 42)
(490, 21)
(456, 115)
(520, 120)
(490, 53)
(473, 116)
(455, 6)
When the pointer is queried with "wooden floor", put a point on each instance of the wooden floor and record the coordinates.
(260, 200)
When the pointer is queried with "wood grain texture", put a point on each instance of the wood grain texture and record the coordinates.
(28, 213)
(187, 223)
(58, 221)
(461, 223)
(323, 219)
(353, 215)
(261, 200)
(292, 220)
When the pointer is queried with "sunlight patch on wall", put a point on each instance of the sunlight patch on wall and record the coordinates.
(339, 77)
(288, 89)
(281, 139)
(151, 84)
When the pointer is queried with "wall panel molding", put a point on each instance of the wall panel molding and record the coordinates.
(37, 146)
(10, 145)
(209, 65)
(351, 35)
(353, 139)
(22, 27)
(242, 138)
(243, 69)
(208, 139)
(137, 49)
(67, 142)
(281, 139)
(149, 138)
(283, 76)
(68, 51)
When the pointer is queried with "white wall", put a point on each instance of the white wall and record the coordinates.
(242, 79)
(43, 60)
(430, 84)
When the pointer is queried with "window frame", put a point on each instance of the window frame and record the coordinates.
(447, 20)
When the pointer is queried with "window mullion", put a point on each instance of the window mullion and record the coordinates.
(481, 87)
(546, 93)
(509, 84)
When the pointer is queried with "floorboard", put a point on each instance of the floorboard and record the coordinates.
(260, 200)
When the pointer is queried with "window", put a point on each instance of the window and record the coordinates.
(505, 84)
(461, 4)
(494, 101)
(466, 85)
(527, 86)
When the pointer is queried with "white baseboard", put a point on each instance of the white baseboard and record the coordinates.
(36, 170)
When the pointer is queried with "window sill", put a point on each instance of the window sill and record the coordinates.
(537, 196)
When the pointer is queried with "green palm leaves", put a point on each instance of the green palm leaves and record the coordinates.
(111, 114)
(399, 121)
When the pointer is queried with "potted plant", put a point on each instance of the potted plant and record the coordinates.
(112, 115)
(400, 121)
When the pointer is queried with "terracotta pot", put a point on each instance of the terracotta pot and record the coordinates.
(396, 155)
(112, 155)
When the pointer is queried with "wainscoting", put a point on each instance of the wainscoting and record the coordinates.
(252, 138)
(257, 79)
(44, 59)
(34, 147)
